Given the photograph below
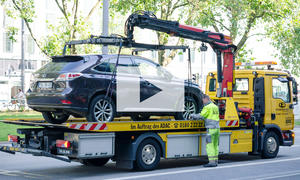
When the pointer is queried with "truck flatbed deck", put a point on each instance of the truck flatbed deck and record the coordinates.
(123, 125)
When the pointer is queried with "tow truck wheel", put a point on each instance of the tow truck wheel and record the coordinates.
(55, 118)
(148, 155)
(270, 146)
(94, 162)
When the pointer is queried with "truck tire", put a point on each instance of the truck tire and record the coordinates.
(190, 107)
(55, 118)
(94, 162)
(148, 155)
(101, 109)
(270, 145)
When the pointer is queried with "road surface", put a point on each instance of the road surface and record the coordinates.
(234, 166)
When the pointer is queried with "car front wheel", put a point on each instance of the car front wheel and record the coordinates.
(190, 107)
(102, 109)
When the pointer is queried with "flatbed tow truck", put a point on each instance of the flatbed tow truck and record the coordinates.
(255, 128)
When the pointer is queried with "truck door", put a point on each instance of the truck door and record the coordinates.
(242, 91)
(282, 107)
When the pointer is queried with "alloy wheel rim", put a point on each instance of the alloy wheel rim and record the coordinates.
(271, 145)
(56, 116)
(148, 154)
(189, 108)
(103, 110)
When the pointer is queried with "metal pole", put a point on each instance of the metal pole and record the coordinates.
(105, 23)
(22, 57)
(201, 72)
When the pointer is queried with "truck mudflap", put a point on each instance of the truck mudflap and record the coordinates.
(34, 152)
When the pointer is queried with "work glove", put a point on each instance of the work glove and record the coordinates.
(195, 117)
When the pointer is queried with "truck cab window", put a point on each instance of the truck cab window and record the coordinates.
(241, 84)
(281, 90)
(212, 84)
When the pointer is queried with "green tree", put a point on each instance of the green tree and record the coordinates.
(72, 24)
(285, 36)
(239, 18)
(166, 10)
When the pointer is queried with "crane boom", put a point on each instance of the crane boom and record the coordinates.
(221, 44)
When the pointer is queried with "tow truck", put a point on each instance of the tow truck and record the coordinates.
(256, 125)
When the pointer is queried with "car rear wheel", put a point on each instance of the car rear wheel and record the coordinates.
(102, 109)
(55, 118)
(190, 107)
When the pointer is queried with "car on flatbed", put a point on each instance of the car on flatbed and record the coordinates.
(79, 86)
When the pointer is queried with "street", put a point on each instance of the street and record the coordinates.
(234, 166)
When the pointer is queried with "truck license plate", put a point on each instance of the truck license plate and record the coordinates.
(64, 151)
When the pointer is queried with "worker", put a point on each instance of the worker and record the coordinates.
(210, 114)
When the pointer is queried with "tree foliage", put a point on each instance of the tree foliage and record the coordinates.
(239, 18)
(285, 35)
(166, 10)
(70, 26)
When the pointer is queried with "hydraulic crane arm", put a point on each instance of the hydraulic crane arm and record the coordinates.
(221, 43)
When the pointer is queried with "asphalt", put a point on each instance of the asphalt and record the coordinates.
(232, 166)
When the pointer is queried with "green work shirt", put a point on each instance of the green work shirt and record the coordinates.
(210, 113)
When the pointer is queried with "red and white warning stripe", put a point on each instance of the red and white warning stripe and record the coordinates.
(88, 126)
(232, 123)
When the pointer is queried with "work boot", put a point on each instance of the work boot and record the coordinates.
(212, 163)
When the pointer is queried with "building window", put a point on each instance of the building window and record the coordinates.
(29, 45)
(4, 20)
(8, 44)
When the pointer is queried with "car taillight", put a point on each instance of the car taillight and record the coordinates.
(63, 144)
(68, 76)
(13, 138)
(64, 101)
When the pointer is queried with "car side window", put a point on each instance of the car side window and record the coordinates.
(103, 67)
(125, 65)
(147, 68)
